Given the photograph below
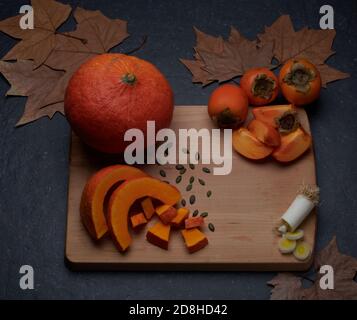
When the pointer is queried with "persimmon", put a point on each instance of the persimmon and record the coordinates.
(228, 106)
(300, 81)
(261, 86)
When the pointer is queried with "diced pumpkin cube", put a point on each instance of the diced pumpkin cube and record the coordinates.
(194, 239)
(138, 220)
(182, 215)
(194, 222)
(166, 213)
(148, 208)
(159, 235)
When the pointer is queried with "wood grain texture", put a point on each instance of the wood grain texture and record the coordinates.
(244, 207)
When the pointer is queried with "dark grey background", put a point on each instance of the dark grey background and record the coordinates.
(34, 158)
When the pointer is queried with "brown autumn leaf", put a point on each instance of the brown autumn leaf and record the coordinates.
(65, 52)
(101, 34)
(36, 44)
(220, 60)
(329, 74)
(288, 286)
(314, 45)
(35, 84)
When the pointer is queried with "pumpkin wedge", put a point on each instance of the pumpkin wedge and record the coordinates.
(93, 196)
(125, 195)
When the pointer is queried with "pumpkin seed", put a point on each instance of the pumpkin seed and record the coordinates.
(178, 179)
(209, 193)
(206, 170)
(189, 187)
(182, 171)
(202, 182)
(192, 199)
(192, 179)
(162, 173)
(204, 214)
(197, 156)
(211, 227)
(195, 213)
(192, 166)
(179, 167)
(183, 202)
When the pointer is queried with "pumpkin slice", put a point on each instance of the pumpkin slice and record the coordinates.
(93, 196)
(166, 213)
(138, 221)
(194, 222)
(182, 215)
(148, 208)
(194, 239)
(125, 195)
(159, 235)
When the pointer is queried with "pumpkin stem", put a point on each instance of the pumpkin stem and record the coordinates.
(129, 78)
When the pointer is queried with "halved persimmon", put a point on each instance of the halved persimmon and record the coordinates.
(282, 117)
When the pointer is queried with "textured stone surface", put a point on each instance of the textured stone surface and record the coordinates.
(34, 158)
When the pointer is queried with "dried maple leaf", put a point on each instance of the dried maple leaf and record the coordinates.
(329, 74)
(217, 59)
(65, 52)
(314, 45)
(35, 84)
(101, 34)
(36, 44)
(288, 286)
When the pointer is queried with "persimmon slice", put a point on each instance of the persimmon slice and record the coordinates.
(292, 146)
(245, 143)
(94, 193)
(125, 195)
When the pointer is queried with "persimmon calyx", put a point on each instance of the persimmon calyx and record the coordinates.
(300, 77)
(263, 86)
(226, 119)
(288, 122)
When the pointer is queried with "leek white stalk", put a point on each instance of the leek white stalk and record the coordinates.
(300, 208)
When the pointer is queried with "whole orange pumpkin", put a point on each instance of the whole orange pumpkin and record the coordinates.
(112, 93)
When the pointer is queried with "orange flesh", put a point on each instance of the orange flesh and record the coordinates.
(92, 202)
(270, 114)
(292, 146)
(166, 213)
(159, 235)
(138, 220)
(193, 222)
(182, 214)
(245, 143)
(148, 208)
(123, 198)
(194, 239)
(265, 133)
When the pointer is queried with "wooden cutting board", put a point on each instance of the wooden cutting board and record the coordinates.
(244, 207)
